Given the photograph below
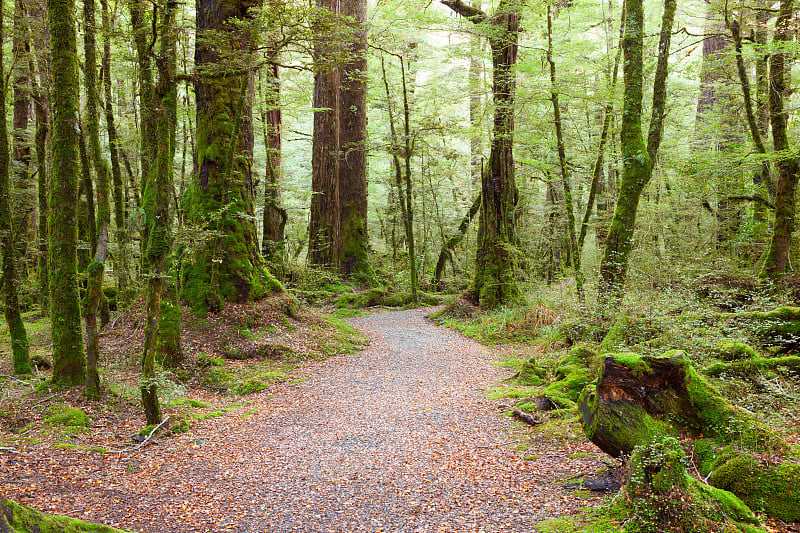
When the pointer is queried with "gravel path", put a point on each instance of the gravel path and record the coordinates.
(397, 438)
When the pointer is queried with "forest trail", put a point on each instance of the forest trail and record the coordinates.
(399, 437)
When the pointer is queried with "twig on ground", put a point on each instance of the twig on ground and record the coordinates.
(145, 441)
(6, 449)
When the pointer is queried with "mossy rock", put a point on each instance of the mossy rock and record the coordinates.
(16, 518)
(660, 496)
(65, 415)
(734, 351)
(768, 488)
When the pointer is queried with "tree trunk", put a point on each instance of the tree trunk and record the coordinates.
(68, 352)
(788, 169)
(121, 261)
(221, 198)
(10, 280)
(24, 203)
(96, 270)
(637, 156)
(495, 282)
(352, 118)
(272, 245)
(575, 254)
(163, 101)
(324, 227)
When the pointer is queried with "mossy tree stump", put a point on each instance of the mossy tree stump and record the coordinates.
(638, 398)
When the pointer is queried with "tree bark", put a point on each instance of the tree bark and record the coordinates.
(324, 229)
(575, 254)
(495, 282)
(221, 197)
(637, 156)
(121, 261)
(788, 169)
(10, 279)
(96, 270)
(352, 144)
(24, 203)
(68, 351)
(275, 217)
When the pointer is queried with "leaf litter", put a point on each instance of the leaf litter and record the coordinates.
(400, 437)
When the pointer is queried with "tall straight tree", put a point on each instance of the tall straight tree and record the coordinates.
(788, 167)
(221, 197)
(637, 155)
(69, 360)
(324, 226)
(9, 280)
(352, 143)
(495, 282)
(275, 217)
(96, 269)
(158, 249)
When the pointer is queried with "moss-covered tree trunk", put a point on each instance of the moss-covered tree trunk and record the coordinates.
(275, 217)
(352, 145)
(96, 270)
(777, 258)
(121, 261)
(69, 358)
(495, 282)
(324, 228)
(24, 199)
(41, 99)
(221, 197)
(10, 280)
(637, 156)
(159, 246)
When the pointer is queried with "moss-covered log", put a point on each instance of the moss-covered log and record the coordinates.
(769, 488)
(16, 518)
(638, 398)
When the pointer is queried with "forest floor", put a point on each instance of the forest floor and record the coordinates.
(402, 436)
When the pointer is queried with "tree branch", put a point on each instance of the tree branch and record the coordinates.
(470, 13)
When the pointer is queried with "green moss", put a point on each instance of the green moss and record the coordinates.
(65, 415)
(530, 373)
(734, 350)
(660, 496)
(633, 361)
(18, 518)
(768, 488)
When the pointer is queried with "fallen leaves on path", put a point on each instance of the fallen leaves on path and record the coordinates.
(400, 437)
